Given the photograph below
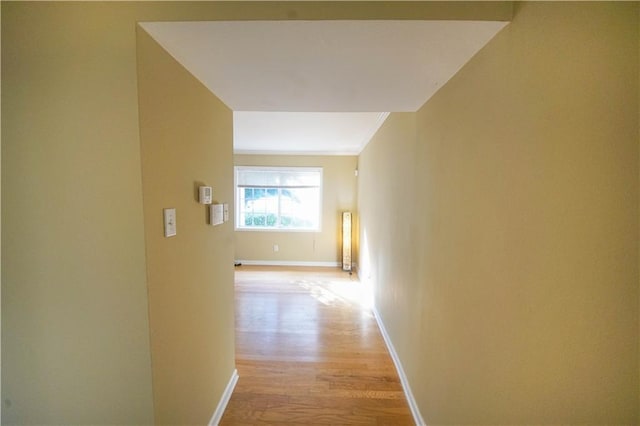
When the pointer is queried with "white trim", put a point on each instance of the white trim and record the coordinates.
(226, 395)
(349, 153)
(288, 263)
(373, 130)
(282, 230)
(415, 411)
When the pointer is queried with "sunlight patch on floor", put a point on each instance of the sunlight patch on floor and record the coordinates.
(331, 292)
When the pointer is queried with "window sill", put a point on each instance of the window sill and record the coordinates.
(277, 230)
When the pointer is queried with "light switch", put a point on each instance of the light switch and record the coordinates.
(169, 222)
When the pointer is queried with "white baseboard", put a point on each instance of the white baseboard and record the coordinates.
(417, 417)
(288, 263)
(226, 395)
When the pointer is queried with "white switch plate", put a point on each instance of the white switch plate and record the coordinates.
(169, 222)
(216, 214)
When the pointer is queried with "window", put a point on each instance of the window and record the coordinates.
(278, 198)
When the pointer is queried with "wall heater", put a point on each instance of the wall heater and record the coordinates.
(346, 241)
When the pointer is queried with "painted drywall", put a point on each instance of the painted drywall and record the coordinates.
(75, 330)
(509, 281)
(186, 139)
(75, 338)
(338, 195)
(0, 215)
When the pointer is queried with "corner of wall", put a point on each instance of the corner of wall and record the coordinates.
(186, 141)
(1, 399)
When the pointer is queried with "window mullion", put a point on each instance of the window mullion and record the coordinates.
(279, 207)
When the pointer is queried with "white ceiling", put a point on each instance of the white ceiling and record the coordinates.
(272, 72)
(305, 132)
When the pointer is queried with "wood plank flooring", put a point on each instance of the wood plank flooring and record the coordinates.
(309, 353)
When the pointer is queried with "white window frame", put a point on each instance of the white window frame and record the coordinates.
(237, 214)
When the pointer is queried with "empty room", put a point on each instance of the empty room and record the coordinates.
(310, 212)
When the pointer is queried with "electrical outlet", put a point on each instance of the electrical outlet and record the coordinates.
(276, 248)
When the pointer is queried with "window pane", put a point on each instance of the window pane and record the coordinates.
(259, 220)
(277, 202)
(301, 205)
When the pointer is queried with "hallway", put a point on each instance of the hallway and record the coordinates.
(309, 351)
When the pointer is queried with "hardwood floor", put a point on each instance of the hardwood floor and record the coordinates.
(308, 352)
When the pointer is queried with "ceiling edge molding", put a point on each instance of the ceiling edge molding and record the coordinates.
(297, 153)
(373, 130)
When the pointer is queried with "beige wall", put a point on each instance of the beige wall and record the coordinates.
(75, 336)
(186, 138)
(339, 194)
(509, 281)
(0, 211)
(75, 328)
